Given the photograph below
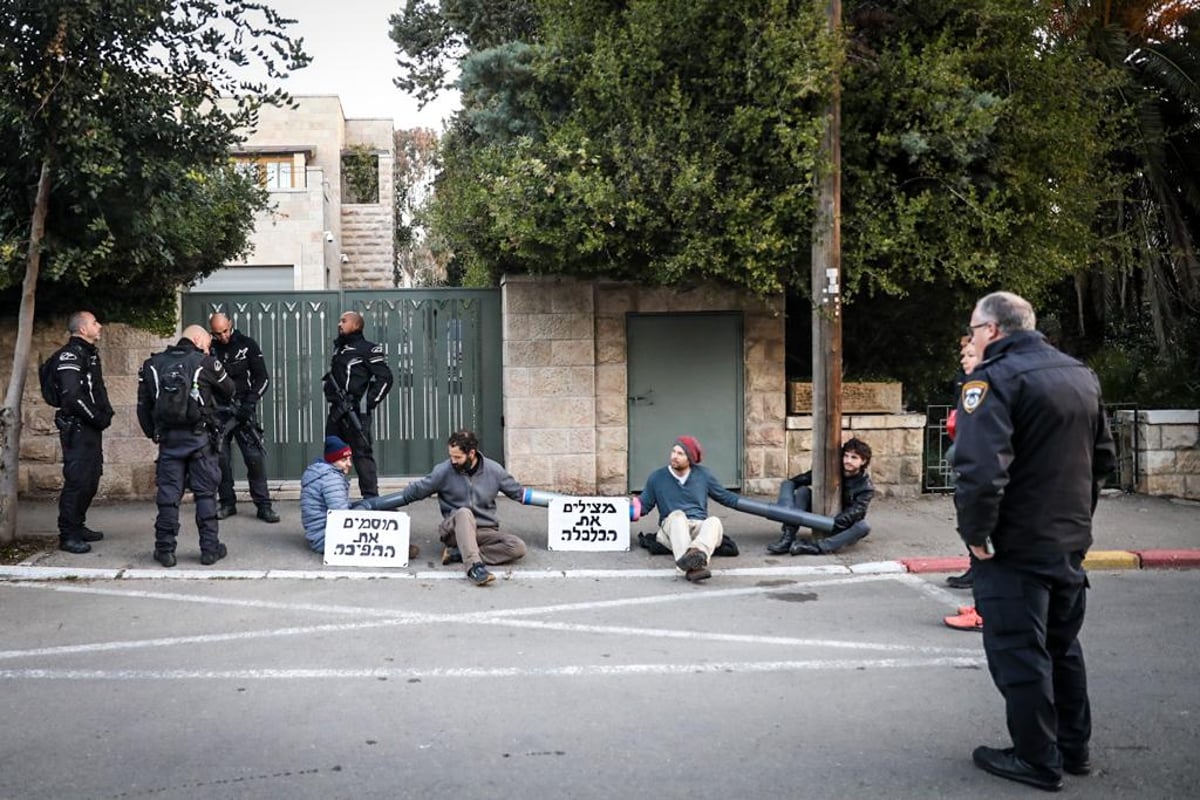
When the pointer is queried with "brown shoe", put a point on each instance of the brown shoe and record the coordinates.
(696, 575)
(693, 559)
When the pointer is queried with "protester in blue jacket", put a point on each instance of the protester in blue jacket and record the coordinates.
(681, 490)
(324, 487)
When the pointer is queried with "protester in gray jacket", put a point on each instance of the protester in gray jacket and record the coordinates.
(466, 485)
(324, 487)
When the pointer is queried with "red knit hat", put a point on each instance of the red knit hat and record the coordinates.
(335, 449)
(691, 446)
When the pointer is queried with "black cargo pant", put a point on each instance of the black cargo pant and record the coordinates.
(256, 466)
(1032, 612)
(361, 446)
(83, 464)
(186, 461)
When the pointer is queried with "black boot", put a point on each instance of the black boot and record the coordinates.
(784, 545)
(964, 581)
(74, 544)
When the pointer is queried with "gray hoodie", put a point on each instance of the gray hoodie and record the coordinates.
(475, 490)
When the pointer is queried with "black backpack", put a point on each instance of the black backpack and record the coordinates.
(177, 404)
(48, 374)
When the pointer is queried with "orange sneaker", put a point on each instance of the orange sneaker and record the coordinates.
(969, 620)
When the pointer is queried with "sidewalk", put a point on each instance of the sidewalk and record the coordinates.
(908, 535)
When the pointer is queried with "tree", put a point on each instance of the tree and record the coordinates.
(671, 142)
(1142, 302)
(675, 142)
(975, 158)
(420, 260)
(433, 36)
(116, 174)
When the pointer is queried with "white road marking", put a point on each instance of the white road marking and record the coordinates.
(930, 589)
(568, 671)
(499, 617)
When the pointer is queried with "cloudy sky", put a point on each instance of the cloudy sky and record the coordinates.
(353, 58)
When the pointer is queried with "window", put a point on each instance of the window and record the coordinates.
(271, 171)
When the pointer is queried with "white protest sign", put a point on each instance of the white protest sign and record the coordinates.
(361, 538)
(588, 523)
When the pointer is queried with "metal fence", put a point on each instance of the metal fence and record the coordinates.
(443, 346)
(939, 477)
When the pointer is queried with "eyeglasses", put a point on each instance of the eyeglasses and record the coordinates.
(970, 329)
(216, 332)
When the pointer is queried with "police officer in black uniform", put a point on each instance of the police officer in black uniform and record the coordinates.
(1032, 452)
(358, 380)
(83, 415)
(243, 360)
(187, 456)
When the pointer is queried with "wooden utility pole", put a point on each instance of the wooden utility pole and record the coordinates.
(827, 305)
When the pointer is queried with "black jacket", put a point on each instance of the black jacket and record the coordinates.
(81, 384)
(1033, 449)
(857, 494)
(213, 383)
(243, 359)
(359, 368)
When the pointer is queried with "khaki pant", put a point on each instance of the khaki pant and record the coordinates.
(680, 533)
(488, 545)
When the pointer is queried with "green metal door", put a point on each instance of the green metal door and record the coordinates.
(685, 378)
(443, 346)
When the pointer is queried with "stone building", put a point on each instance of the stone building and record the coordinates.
(324, 232)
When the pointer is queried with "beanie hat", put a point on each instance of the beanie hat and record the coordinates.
(335, 449)
(690, 446)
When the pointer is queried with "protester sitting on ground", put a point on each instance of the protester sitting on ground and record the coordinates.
(849, 525)
(325, 487)
(467, 484)
(681, 490)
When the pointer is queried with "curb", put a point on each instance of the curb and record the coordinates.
(1096, 560)
(1112, 559)
(1169, 559)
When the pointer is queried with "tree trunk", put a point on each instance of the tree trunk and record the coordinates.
(10, 414)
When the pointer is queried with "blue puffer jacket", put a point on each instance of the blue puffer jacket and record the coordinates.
(322, 488)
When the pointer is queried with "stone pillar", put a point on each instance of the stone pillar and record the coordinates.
(897, 448)
(1166, 445)
(550, 383)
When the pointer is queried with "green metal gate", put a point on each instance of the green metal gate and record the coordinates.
(443, 346)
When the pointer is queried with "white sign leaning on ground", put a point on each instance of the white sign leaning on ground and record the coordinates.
(588, 523)
(360, 538)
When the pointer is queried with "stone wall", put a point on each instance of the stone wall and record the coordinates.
(1167, 444)
(128, 455)
(897, 446)
(565, 396)
(367, 241)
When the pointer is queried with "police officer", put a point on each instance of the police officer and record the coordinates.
(187, 455)
(357, 381)
(1032, 451)
(82, 416)
(243, 360)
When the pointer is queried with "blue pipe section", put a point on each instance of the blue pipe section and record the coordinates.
(789, 516)
(540, 497)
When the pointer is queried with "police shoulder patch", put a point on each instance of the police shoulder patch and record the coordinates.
(973, 394)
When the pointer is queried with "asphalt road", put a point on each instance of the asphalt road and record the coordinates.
(839, 686)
